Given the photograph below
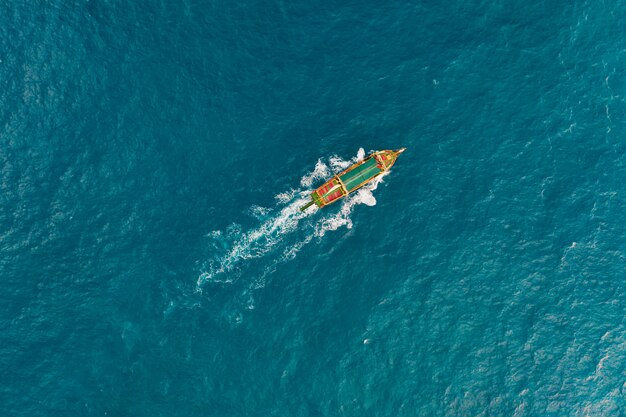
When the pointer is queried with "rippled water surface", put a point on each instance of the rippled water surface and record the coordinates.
(154, 262)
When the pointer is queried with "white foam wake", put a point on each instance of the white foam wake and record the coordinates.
(283, 230)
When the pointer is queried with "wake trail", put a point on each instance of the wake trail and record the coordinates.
(283, 230)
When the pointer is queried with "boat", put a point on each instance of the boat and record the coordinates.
(353, 178)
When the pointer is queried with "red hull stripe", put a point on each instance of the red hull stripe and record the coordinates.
(334, 196)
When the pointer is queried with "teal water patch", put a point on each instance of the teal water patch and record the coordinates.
(154, 262)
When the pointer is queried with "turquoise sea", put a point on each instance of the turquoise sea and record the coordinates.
(153, 156)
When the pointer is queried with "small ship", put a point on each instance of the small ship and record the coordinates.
(353, 178)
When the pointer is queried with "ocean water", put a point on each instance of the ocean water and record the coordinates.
(153, 156)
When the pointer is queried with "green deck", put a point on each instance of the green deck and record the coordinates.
(360, 174)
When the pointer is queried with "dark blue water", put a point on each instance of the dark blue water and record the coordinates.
(153, 260)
